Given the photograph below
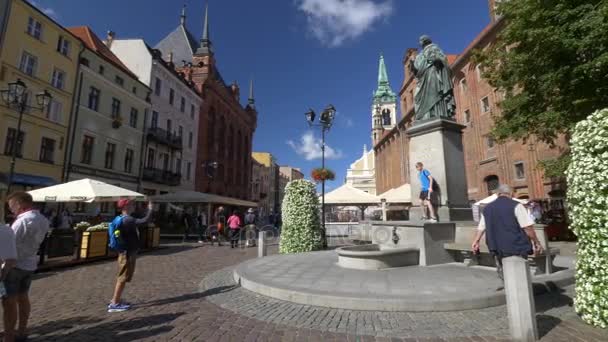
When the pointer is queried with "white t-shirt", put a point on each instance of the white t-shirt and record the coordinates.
(7, 243)
(523, 218)
(30, 230)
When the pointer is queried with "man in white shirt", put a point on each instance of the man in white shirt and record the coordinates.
(30, 228)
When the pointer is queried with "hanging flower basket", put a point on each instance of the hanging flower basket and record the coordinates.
(321, 174)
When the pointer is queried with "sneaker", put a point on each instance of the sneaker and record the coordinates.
(200, 241)
(120, 307)
(433, 220)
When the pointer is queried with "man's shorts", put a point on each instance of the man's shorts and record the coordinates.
(18, 282)
(126, 266)
(424, 195)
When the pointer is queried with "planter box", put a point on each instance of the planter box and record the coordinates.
(153, 237)
(94, 244)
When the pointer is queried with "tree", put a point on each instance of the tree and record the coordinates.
(588, 199)
(301, 230)
(550, 61)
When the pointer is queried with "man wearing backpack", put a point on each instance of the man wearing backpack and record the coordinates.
(124, 239)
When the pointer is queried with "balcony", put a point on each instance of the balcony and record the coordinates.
(165, 137)
(162, 177)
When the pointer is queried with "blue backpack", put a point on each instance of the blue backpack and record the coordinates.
(117, 241)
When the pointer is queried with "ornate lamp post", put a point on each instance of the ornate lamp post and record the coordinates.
(325, 121)
(16, 97)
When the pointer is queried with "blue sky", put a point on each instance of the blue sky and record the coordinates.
(301, 54)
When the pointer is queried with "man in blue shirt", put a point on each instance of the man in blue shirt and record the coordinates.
(426, 190)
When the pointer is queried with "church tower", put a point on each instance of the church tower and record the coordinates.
(384, 106)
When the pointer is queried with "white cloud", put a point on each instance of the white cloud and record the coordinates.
(46, 10)
(309, 147)
(335, 21)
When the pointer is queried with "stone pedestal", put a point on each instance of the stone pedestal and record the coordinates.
(438, 145)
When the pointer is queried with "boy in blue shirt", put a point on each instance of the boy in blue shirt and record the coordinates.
(426, 189)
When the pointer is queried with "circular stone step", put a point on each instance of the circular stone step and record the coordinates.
(316, 279)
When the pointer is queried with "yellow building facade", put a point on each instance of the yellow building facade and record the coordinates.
(44, 56)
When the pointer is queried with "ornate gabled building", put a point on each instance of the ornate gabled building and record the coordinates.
(225, 127)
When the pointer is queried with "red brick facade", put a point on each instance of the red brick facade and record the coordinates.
(225, 131)
(487, 162)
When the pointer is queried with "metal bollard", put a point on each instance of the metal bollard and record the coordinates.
(262, 244)
(520, 299)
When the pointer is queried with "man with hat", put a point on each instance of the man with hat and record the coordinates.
(126, 258)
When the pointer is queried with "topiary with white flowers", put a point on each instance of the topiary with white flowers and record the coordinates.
(588, 202)
(301, 230)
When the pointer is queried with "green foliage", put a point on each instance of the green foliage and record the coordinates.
(588, 202)
(555, 168)
(301, 230)
(551, 63)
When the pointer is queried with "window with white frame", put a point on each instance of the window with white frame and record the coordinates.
(58, 79)
(478, 71)
(190, 139)
(34, 28)
(520, 172)
(485, 104)
(54, 111)
(28, 64)
(192, 112)
(63, 46)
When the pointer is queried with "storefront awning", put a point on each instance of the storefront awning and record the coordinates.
(30, 180)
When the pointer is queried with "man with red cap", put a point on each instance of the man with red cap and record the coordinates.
(126, 258)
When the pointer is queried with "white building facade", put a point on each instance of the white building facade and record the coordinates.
(172, 126)
(361, 174)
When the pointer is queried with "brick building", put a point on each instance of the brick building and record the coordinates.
(225, 126)
(487, 162)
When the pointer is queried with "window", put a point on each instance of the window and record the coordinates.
(129, 160)
(463, 85)
(188, 170)
(169, 126)
(192, 112)
(54, 111)
(58, 79)
(520, 172)
(63, 46)
(190, 139)
(180, 131)
(28, 64)
(34, 28)
(485, 105)
(119, 81)
(133, 118)
(165, 158)
(110, 151)
(102, 70)
(47, 151)
(478, 71)
(490, 141)
(171, 96)
(467, 116)
(182, 106)
(178, 166)
(115, 108)
(134, 90)
(154, 123)
(10, 140)
(492, 183)
(87, 149)
(158, 86)
(94, 99)
(386, 117)
(151, 158)
(85, 61)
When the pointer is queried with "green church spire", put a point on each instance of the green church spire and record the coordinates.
(384, 93)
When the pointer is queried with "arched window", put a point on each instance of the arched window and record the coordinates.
(491, 183)
(386, 117)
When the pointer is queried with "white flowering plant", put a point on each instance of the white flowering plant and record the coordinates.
(301, 230)
(588, 202)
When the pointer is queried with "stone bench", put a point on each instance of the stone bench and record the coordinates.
(541, 264)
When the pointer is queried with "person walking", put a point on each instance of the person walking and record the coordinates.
(127, 247)
(234, 223)
(426, 190)
(30, 228)
(189, 224)
(508, 228)
(250, 228)
(202, 225)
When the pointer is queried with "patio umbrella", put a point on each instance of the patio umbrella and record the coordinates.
(84, 190)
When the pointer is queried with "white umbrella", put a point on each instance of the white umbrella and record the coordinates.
(84, 190)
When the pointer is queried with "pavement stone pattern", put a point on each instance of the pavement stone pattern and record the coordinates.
(70, 305)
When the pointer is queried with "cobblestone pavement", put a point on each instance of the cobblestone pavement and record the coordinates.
(70, 305)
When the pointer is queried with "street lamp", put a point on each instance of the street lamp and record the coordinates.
(325, 121)
(16, 97)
